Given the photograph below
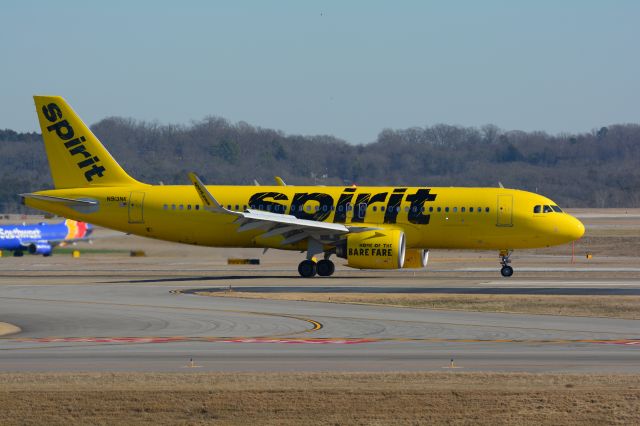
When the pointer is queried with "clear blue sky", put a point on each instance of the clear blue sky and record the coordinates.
(345, 68)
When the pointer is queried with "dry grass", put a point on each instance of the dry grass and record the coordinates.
(627, 307)
(319, 398)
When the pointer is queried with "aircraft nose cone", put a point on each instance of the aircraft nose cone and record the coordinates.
(577, 229)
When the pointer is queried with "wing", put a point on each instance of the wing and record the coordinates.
(271, 224)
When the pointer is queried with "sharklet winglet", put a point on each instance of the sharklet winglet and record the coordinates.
(210, 203)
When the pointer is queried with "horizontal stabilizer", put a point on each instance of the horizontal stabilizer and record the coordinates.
(71, 202)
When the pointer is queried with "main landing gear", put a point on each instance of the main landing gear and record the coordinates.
(506, 270)
(308, 268)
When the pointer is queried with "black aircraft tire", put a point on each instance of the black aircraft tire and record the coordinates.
(307, 268)
(325, 268)
(506, 271)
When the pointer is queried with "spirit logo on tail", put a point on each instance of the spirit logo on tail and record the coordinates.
(41, 238)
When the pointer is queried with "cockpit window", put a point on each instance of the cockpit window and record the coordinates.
(547, 209)
(537, 209)
(556, 209)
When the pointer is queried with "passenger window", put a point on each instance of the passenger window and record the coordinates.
(188, 206)
(308, 208)
(479, 209)
(547, 209)
(422, 209)
(382, 208)
(165, 207)
(244, 207)
(537, 209)
(430, 209)
(439, 209)
(406, 208)
(446, 209)
(462, 209)
(375, 208)
(317, 208)
(486, 209)
(197, 206)
(228, 206)
(455, 210)
(556, 209)
(181, 207)
(173, 206)
(470, 209)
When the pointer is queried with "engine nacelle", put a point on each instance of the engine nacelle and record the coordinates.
(374, 250)
(42, 248)
(416, 258)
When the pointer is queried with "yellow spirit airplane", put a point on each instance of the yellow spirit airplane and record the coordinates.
(370, 227)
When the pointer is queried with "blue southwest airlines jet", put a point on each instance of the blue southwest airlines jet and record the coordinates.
(371, 227)
(43, 237)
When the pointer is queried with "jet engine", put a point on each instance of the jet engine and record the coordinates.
(381, 249)
(42, 248)
(416, 258)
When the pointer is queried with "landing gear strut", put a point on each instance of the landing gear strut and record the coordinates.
(506, 270)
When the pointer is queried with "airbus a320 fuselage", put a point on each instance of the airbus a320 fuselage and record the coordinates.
(370, 227)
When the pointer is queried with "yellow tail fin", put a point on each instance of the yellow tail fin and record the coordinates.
(76, 156)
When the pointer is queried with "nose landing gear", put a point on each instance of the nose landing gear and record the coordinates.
(506, 270)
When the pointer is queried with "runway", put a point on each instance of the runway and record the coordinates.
(153, 322)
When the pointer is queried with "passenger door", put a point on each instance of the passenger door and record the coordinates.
(136, 213)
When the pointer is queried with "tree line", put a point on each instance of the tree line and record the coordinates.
(592, 169)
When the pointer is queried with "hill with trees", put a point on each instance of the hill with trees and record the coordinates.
(595, 169)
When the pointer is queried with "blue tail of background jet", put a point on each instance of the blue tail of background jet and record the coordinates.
(41, 238)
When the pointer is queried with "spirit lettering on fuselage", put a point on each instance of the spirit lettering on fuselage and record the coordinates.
(74, 145)
(324, 205)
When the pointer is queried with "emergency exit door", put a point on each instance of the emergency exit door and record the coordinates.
(136, 207)
(505, 210)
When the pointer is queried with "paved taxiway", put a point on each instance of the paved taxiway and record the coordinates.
(138, 322)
